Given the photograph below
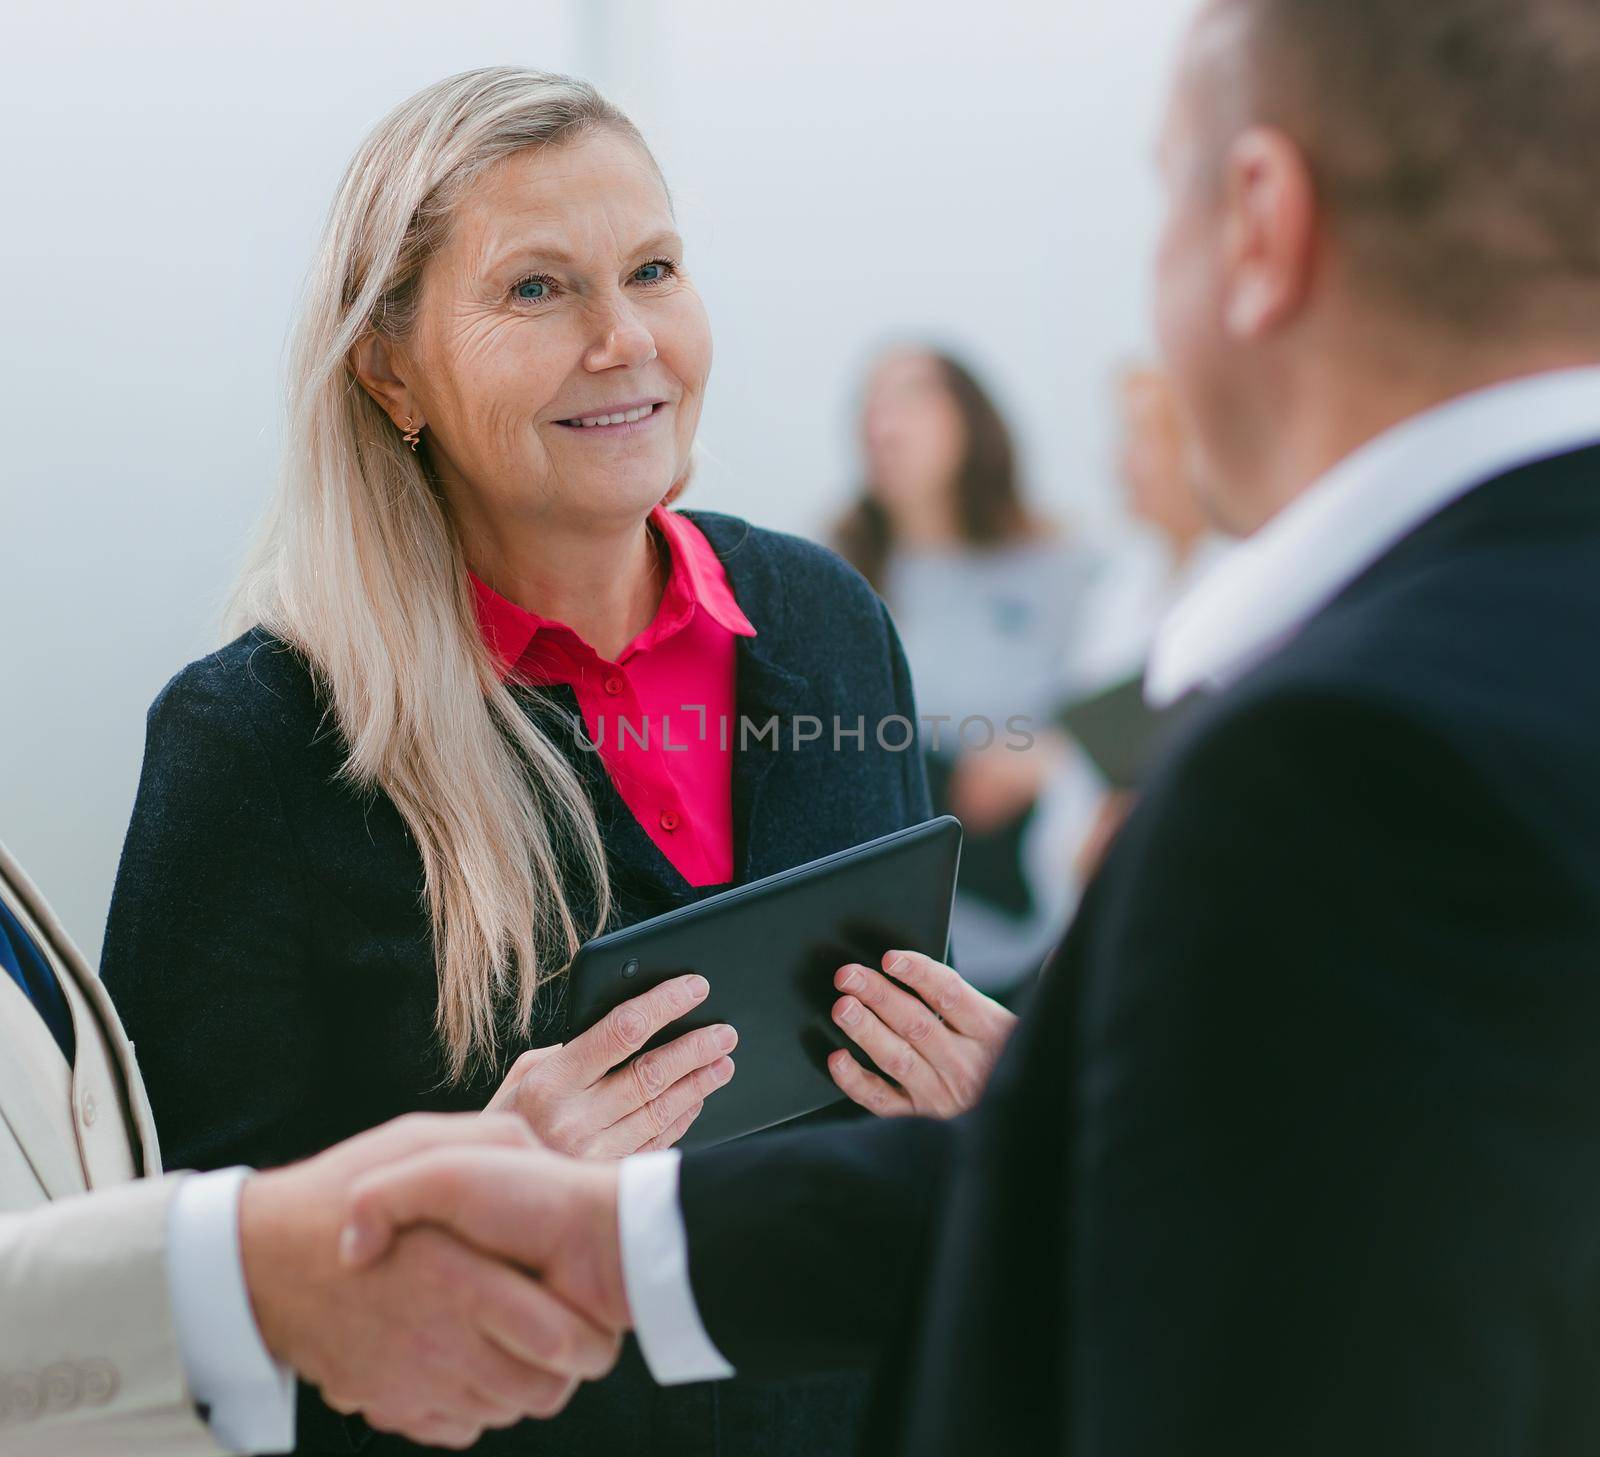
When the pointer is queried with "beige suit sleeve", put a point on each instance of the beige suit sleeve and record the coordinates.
(89, 1359)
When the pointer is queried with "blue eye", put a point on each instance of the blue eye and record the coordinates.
(533, 290)
(655, 271)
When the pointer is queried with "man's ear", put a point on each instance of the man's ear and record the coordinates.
(374, 362)
(1271, 219)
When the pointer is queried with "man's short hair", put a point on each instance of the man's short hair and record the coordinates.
(1455, 142)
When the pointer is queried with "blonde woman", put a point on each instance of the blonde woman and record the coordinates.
(491, 696)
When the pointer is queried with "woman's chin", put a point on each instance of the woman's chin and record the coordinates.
(620, 493)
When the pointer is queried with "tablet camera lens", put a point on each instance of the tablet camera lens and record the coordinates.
(630, 967)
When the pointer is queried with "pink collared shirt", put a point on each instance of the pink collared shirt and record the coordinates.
(661, 715)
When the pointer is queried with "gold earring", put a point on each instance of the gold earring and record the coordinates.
(413, 433)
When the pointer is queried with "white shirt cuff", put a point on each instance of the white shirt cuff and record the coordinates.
(655, 1273)
(251, 1399)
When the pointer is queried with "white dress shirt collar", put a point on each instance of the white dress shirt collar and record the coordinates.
(1292, 568)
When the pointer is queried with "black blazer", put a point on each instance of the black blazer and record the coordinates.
(268, 950)
(1298, 1147)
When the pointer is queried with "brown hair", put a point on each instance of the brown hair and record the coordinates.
(989, 506)
(1452, 140)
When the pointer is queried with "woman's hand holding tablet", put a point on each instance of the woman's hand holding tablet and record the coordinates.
(936, 1035)
(585, 1097)
(770, 950)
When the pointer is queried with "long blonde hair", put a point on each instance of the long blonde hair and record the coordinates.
(359, 567)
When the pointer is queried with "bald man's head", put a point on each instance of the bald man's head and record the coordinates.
(1453, 143)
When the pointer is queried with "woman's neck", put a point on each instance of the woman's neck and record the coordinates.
(605, 585)
(931, 521)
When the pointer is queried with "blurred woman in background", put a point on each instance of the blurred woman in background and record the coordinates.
(988, 596)
(1174, 547)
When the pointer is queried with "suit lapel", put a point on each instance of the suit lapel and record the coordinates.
(47, 1142)
(68, 962)
(147, 1152)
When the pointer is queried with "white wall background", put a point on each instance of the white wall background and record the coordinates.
(847, 172)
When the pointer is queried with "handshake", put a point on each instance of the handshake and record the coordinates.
(439, 1275)
(447, 1273)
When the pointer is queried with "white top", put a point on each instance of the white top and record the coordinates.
(991, 631)
(1237, 615)
(994, 637)
(1274, 583)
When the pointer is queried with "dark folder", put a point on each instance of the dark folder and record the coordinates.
(1120, 732)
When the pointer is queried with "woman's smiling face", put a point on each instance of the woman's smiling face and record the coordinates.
(558, 304)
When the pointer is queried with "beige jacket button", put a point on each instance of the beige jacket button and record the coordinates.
(98, 1382)
(60, 1383)
(88, 1109)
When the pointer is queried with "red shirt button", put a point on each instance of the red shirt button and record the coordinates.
(669, 821)
(614, 683)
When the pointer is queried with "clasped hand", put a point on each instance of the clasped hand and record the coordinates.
(449, 1334)
(441, 1339)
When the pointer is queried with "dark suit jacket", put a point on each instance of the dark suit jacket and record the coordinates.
(1297, 1149)
(268, 950)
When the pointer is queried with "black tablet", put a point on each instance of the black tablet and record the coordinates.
(770, 950)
